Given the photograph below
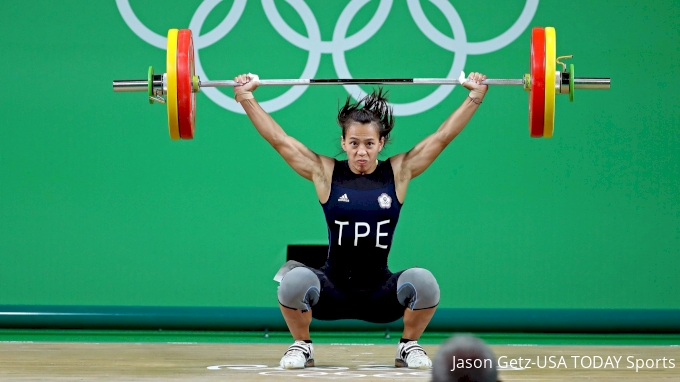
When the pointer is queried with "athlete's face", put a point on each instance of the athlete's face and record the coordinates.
(362, 143)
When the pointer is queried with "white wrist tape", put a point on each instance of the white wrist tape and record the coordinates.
(254, 78)
(462, 79)
(242, 96)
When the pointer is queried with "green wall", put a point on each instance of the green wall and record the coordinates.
(99, 207)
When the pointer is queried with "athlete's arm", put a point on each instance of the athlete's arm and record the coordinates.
(414, 162)
(304, 161)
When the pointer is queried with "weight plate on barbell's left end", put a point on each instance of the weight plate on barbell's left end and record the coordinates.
(550, 62)
(171, 72)
(149, 78)
(186, 98)
(537, 92)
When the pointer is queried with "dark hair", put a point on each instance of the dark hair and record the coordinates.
(372, 108)
(480, 363)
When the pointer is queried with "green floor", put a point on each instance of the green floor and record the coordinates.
(377, 338)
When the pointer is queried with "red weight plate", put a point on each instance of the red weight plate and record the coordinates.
(537, 93)
(195, 90)
(192, 70)
(186, 98)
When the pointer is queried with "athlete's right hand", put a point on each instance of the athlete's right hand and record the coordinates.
(248, 83)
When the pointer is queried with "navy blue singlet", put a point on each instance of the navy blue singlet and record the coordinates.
(361, 213)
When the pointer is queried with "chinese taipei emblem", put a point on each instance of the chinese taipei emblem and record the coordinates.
(385, 201)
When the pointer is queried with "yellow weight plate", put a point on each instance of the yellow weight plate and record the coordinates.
(171, 72)
(550, 56)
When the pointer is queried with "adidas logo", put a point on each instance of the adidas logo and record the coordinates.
(343, 198)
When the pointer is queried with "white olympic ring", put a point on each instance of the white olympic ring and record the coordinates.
(339, 44)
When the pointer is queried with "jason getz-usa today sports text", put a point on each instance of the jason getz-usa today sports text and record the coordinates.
(566, 362)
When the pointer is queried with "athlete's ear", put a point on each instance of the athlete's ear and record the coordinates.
(342, 143)
(382, 143)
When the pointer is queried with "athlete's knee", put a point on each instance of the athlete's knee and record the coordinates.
(299, 289)
(417, 289)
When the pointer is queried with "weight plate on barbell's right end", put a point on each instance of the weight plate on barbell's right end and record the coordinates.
(537, 92)
(194, 87)
(171, 72)
(186, 98)
(550, 62)
(571, 82)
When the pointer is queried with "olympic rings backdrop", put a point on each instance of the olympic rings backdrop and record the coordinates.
(99, 208)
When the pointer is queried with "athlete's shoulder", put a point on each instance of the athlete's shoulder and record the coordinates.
(326, 169)
(341, 169)
(383, 172)
(395, 162)
(328, 163)
(386, 164)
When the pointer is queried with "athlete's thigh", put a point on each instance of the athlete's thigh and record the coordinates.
(333, 304)
(379, 306)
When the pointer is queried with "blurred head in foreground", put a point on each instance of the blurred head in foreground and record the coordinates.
(464, 358)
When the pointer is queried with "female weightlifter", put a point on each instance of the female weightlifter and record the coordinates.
(361, 198)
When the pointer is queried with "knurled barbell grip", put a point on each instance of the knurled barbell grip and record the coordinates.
(362, 81)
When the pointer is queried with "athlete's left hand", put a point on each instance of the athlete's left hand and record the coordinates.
(474, 84)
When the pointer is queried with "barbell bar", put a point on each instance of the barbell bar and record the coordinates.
(121, 86)
(178, 86)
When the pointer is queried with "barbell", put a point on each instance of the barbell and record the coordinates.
(178, 86)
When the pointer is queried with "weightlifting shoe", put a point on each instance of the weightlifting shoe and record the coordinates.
(411, 355)
(298, 356)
